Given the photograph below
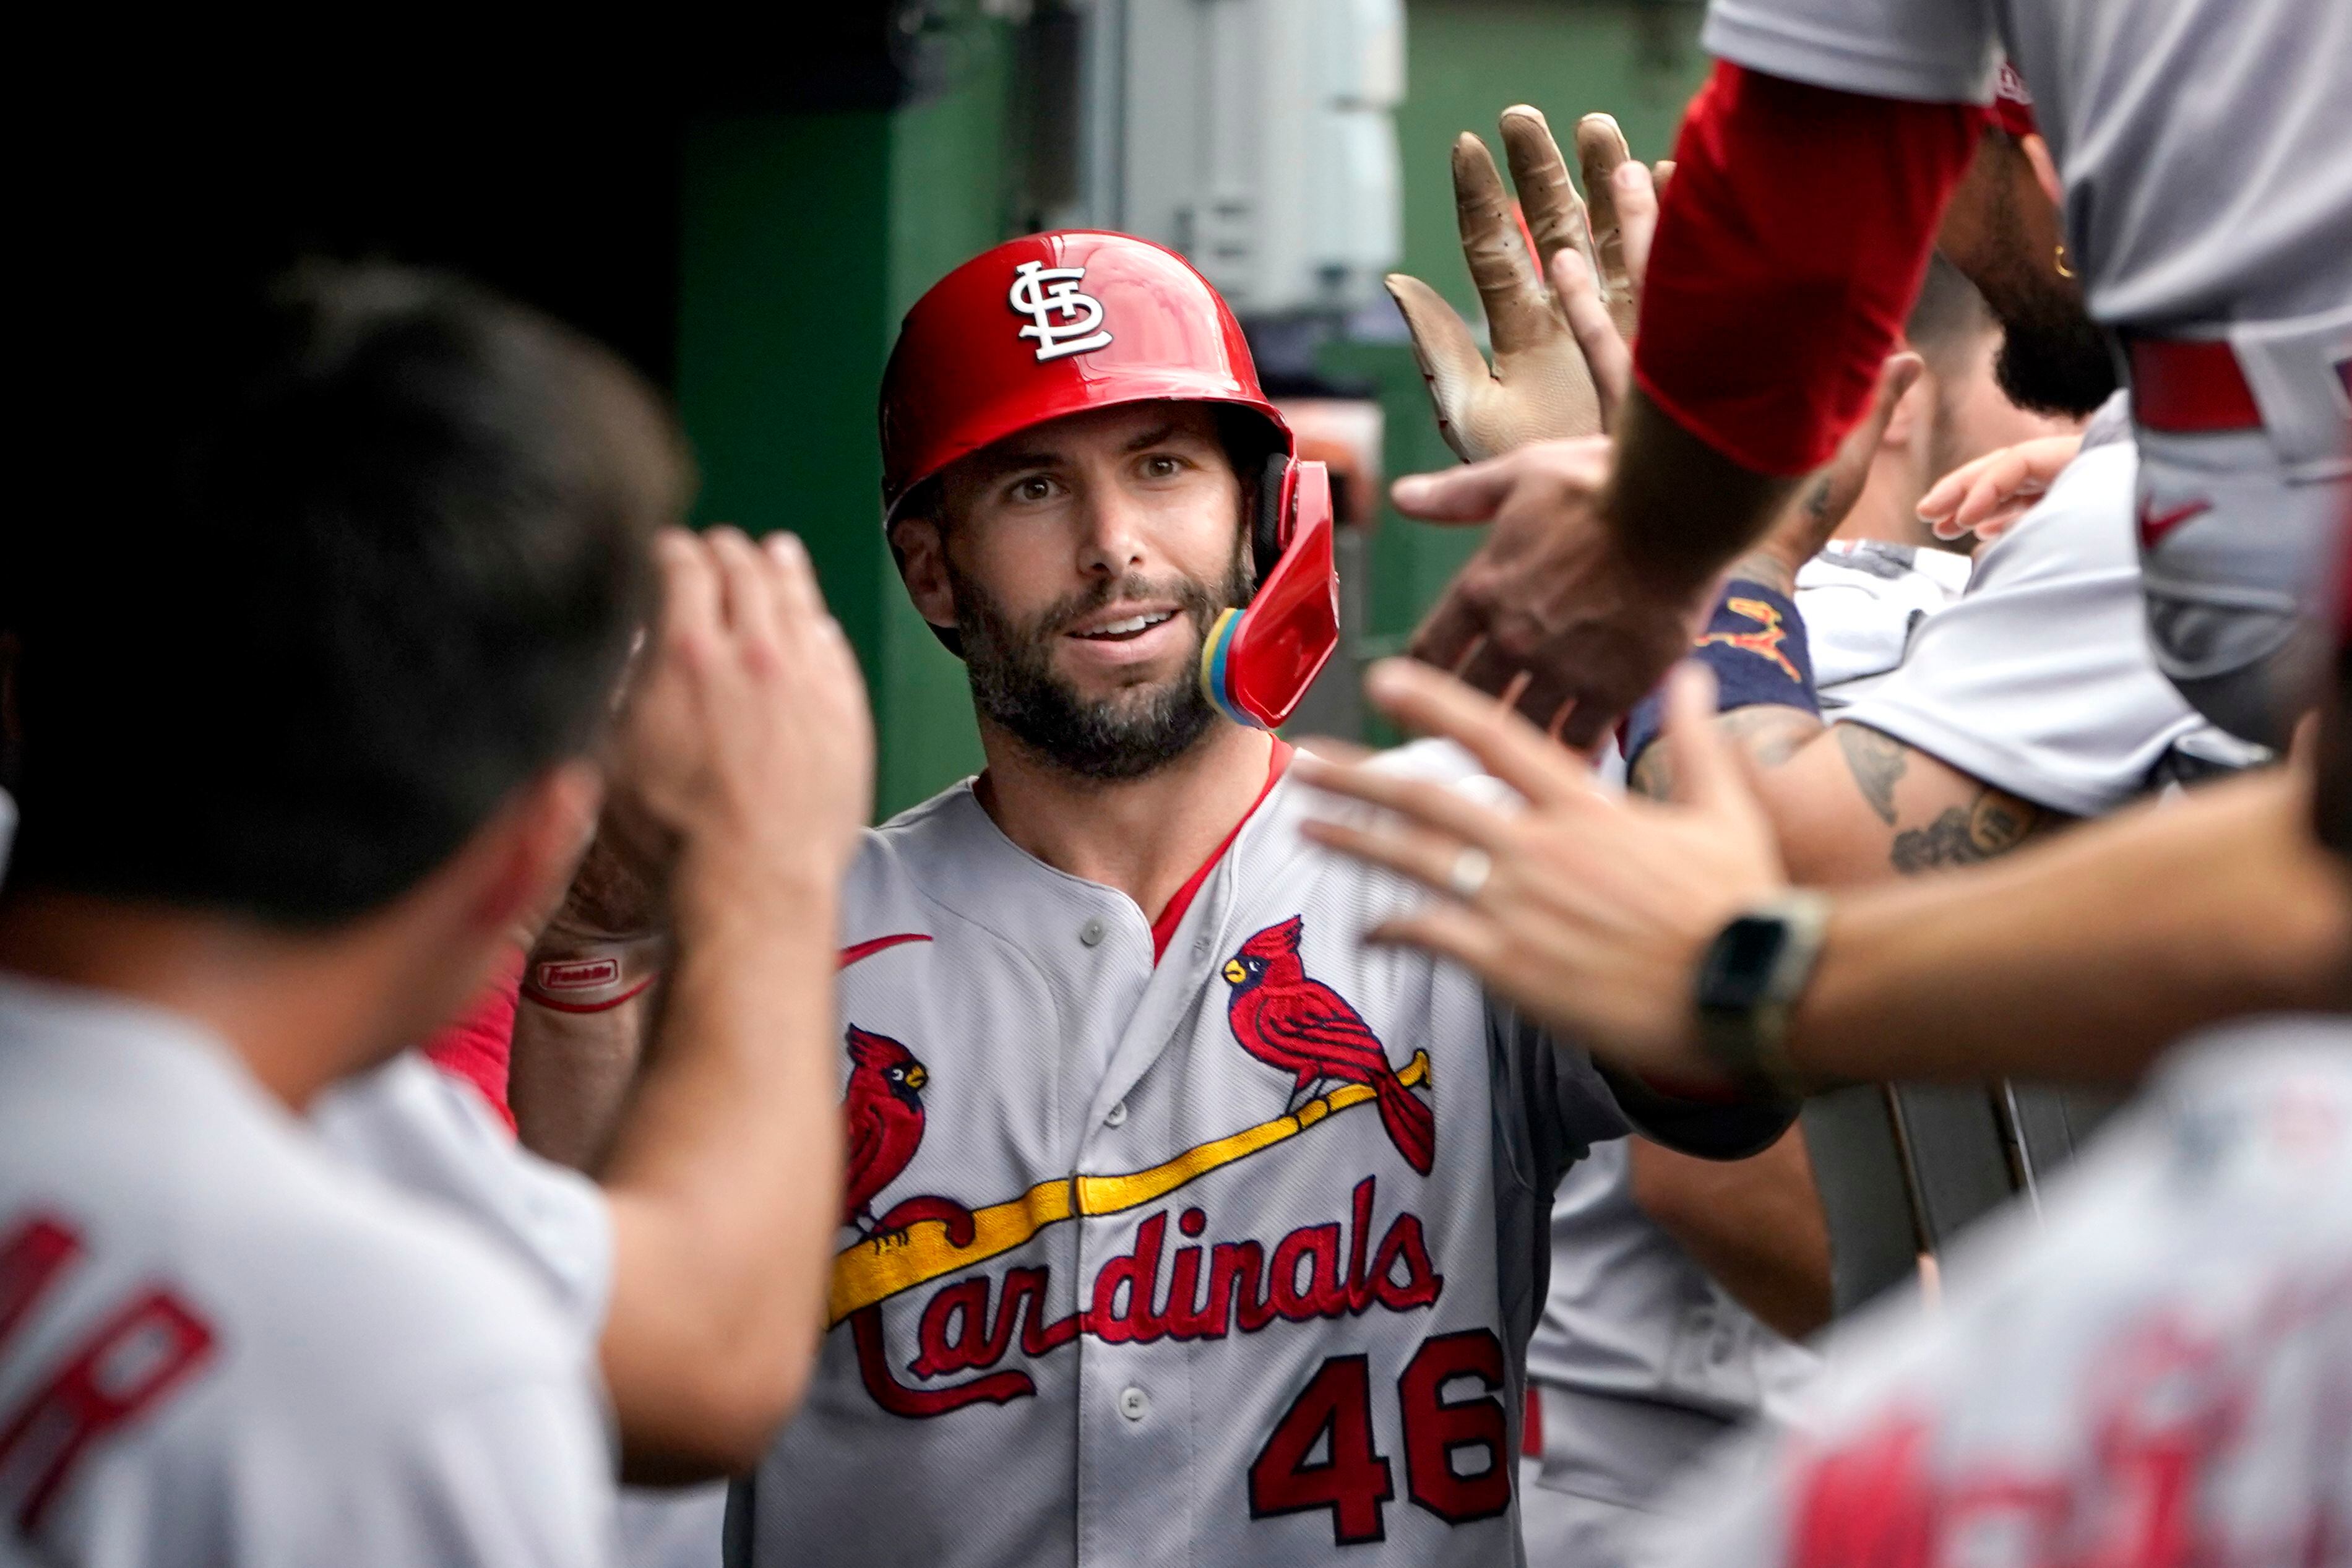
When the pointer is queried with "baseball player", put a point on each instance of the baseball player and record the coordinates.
(1178, 1224)
(1813, 169)
(217, 1341)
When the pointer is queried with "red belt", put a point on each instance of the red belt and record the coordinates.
(2189, 388)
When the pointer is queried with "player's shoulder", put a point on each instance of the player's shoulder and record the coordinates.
(168, 1163)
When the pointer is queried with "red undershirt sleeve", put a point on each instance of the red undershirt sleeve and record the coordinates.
(1793, 238)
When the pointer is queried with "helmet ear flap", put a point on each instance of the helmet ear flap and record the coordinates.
(1270, 525)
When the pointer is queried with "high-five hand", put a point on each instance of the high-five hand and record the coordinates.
(1541, 387)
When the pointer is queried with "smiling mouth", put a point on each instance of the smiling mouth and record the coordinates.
(1126, 630)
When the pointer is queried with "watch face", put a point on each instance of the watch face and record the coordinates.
(1741, 962)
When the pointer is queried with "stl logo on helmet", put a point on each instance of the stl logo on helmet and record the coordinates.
(1041, 293)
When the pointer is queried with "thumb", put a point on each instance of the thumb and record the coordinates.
(1451, 365)
(1467, 494)
(1707, 771)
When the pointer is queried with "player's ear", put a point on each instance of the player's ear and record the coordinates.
(1910, 410)
(921, 551)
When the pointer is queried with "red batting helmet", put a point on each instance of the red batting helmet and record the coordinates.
(1054, 324)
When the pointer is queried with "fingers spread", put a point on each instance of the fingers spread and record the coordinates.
(1450, 361)
(1517, 313)
(1554, 212)
(1600, 149)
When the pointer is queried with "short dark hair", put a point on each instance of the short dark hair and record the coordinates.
(1947, 313)
(372, 559)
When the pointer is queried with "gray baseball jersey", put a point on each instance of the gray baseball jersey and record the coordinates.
(1640, 1362)
(1226, 1254)
(2159, 1371)
(218, 1344)
(2040, 681)
(2201, 141)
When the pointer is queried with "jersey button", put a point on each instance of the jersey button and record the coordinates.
(1091, 933)
(1116, 1116)
(1134, 1403)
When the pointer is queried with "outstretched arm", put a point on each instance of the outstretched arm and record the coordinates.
(2075, 961)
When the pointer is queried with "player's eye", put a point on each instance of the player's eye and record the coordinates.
(1163, 466)
(1033, 487)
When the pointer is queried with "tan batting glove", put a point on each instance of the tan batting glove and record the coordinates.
(1542, 385)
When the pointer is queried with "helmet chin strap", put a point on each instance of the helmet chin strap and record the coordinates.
(1258, 661)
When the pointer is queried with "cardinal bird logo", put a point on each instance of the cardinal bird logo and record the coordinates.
(1288, 1020)
(884, 1109)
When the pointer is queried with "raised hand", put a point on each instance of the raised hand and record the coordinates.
(746, 743)
(1541, 387)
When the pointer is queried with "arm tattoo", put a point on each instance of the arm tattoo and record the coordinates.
(1876, 760)
(1770, 735)
(1993, 824)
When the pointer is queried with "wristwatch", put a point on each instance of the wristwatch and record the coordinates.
(1749, 982)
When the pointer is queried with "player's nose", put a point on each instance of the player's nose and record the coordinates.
(1113, 539)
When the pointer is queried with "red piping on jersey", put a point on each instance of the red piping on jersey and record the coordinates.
(1163, 930)
(867, 949)
(1797, 227)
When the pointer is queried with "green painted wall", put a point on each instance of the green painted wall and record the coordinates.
(804, 238)
(1466, 60)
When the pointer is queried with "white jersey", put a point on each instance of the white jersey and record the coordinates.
(218, 1344)
(2157, 1371)
(2201, 141)
(429, 1135)
(1863, 601)
(1228, 1257)
(2040, 681)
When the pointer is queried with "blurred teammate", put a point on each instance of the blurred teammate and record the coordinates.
(409, 524)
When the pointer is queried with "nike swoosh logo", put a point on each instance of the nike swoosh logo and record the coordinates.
(2154, 525)
(858, 950)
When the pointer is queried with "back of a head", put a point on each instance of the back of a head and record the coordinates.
(1948, 319)
(371, 554)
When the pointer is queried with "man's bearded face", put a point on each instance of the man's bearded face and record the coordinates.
(1126, 733)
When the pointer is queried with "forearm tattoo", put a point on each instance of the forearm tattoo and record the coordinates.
(1993, 824)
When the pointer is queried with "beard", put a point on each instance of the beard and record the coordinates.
(2053, 358)
(1135, 731)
